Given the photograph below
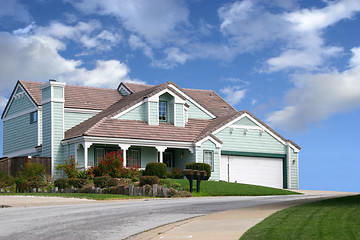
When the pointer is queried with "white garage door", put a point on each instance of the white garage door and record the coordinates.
(252, 170)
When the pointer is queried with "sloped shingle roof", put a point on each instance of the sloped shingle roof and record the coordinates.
(77, 96)
(112, 103)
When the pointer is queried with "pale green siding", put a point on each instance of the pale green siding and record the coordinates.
(58, 92)
(72, 119)
(245, 121)
(252, 141)
(294, 184)
(139, 113)
(154, 113)
(195, 112)
(46, 126)
(19, 134)
(58, 125)
(19, 105)
(210, 146)
(179, 115)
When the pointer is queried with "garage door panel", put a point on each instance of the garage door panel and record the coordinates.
(253, 170)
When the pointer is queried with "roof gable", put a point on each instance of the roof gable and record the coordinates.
(21, 97)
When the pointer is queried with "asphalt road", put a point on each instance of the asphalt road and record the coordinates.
(115, 220)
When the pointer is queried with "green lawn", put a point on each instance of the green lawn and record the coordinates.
(79, 195)
(337, 218)
(215, 188)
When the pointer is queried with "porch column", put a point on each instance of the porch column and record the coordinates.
(124, 148)
(86, 145)
(161, 150)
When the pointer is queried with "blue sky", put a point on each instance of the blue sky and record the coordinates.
(294, 64)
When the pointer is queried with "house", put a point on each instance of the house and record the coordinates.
(164, 123)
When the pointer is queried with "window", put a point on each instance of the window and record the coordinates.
(209, 159)
(101, 152)
(133, 158)
(33, 117)
(162, 111)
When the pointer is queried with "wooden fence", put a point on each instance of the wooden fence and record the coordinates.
(12, 165)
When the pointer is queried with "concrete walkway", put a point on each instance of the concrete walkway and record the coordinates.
(227, 225)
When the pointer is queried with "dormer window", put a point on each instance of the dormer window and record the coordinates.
(162, 111)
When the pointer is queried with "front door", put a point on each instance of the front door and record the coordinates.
(168, 159)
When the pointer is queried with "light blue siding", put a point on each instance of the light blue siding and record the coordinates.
(182, 157)
(58, 92)
(245, 121)
(68, 151)
(294, 160)
(40, 125)
(20, 105)
(45, 93)
(210, 146)
(154, 113)
(58, 124)
(139, 113)
(252, 141)
(180, 115)
(148, 154)
(72, 119)
(195, 112)
(19, 134)
(46, 126)
(80, 157)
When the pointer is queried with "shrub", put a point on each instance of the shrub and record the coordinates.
(101, 182)
(70, 168)
(149, 180)
(32, 175)
(176, 173)
(6, 180)
(201, 167)
(61, 183)
(110, 165)
(76, 182)
(156, 169)
(113, 182)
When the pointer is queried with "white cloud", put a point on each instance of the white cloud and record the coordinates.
(3, 102)
(310, 20)
(37, 58)
(89, 34)
(153, 19)
(15, 10)
(250, 26)
(355, 60)
(318, 97)
(136, 43)
(106, 73)
(234, 94)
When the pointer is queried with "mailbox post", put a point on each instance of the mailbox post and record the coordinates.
(194, 174)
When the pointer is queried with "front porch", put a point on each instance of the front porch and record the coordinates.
(135, 154)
